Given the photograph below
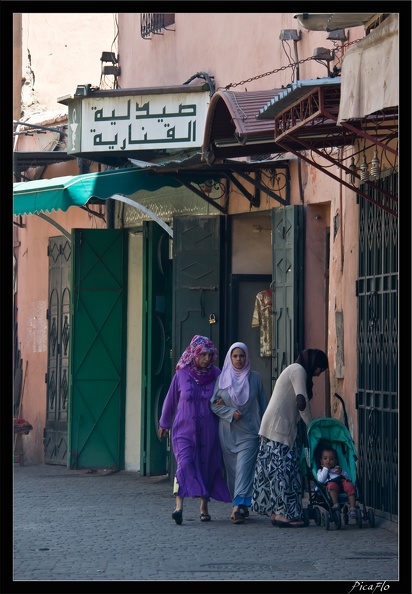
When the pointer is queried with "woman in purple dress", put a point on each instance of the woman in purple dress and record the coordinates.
(195, 435)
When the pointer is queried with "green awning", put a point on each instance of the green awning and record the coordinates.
(47, 195)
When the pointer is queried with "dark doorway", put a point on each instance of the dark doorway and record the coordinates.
(157, 346)
(245, 288)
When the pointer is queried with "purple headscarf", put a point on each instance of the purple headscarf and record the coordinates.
(236, 381)
(190, 358)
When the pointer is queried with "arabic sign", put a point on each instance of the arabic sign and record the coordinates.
(137, 122)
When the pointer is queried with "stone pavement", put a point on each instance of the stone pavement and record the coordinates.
(83, 526)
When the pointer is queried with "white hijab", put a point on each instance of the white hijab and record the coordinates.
(236, 381)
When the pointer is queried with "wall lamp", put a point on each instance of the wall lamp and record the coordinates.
(323, 56)
(295, 36)
(82, 90)
(338, 35)
(113, 68)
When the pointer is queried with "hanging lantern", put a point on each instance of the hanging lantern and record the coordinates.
(375, 165)
(364, 170)
(353, 168)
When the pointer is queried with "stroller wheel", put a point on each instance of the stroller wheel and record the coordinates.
(371, 517)
(345, 515)
(359, 517)
(305, 516)
(326, 520)
(337, 518)
(317, 516)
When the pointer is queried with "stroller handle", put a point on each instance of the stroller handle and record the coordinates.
(344, 410)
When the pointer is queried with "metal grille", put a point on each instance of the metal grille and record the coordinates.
(55, 431)
(377, 398)
(155, 23)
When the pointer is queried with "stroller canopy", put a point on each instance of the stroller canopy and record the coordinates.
(328, 431)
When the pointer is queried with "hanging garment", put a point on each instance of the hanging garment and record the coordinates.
(262, 317)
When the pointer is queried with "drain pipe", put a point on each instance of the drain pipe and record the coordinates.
(110, 213)
(295, 46)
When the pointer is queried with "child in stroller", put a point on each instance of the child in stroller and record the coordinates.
(326, 505)
(336, 480)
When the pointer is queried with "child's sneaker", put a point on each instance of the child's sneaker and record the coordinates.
(335, 506)
(353, 514)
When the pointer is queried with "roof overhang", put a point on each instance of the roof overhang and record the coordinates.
(232, 129)
(234, 170)
(332, 21)
(306, 124)
(60, 193)
(370, 73)
(306, 112)
(24, 160)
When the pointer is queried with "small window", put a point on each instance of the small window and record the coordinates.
(154, 23)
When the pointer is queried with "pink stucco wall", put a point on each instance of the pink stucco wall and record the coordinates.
(232, 47)
(53, 52)
(61, 51)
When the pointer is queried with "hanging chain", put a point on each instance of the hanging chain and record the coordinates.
(243, 82)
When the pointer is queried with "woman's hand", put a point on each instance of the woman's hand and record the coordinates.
(237, 415)
(162, 432)
(219, 402)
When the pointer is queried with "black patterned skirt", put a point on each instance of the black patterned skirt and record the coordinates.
(277, 485)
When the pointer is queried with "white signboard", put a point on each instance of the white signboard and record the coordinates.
(138, 122)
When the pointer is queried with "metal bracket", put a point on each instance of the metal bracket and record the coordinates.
(263, 188)
(59, 227)
(188, 185)
(19, 223)
(252, 199)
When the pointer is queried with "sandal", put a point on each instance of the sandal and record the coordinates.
(297, 524)
(205, 517)
(177, 515)
(245, 510)
(290, 524)
(237, 518)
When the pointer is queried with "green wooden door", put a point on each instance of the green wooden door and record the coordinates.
(287, 285)
(198, 273)
(97, 351)
(156, 346)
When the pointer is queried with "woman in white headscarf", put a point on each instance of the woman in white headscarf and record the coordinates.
(239, 400)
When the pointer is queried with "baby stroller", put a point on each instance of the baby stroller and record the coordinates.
(320, 433)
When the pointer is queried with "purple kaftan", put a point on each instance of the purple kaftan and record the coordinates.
(195, 437)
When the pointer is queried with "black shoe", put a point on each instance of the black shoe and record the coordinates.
(177, 515)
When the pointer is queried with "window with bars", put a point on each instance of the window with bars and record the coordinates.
(154, 23)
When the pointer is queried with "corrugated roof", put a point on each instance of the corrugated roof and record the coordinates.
(293, 92)
(232, 128)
